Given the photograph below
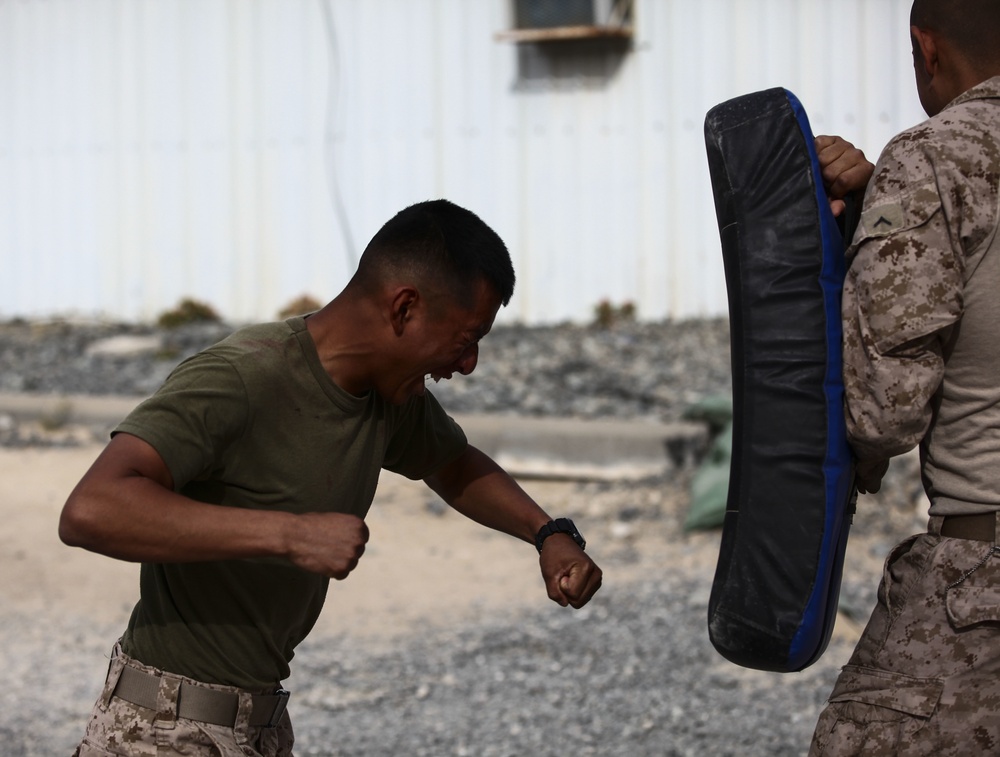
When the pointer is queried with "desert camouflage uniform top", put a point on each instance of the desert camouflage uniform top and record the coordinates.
(922, 305)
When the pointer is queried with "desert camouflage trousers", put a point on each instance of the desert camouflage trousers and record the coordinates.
(924, 678)
(118, 727)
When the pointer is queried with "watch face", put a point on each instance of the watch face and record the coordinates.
(559, 526)
(566, 526)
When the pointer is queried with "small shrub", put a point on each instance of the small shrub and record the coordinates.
(607, 314)
(187, 311)
(300, 306)
(604, 314)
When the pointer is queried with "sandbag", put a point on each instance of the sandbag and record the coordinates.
(791, 489)
(710, 483)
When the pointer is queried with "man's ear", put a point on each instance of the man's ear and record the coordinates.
(401, 306)
(926, 44)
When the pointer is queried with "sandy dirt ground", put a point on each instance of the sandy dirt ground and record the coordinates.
(426, 567)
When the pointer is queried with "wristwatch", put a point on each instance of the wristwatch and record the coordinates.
(559, 526)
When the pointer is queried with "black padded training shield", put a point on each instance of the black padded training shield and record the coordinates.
(777, 582)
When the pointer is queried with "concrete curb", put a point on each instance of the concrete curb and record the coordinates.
(585, 449)
(67, 409)
(559, 448)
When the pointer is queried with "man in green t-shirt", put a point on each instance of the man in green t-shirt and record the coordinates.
(242, 485)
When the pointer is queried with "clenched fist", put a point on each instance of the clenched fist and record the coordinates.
(327, 543)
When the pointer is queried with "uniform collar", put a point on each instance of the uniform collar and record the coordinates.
(986, 90)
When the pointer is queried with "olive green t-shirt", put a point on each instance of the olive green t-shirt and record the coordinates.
(255, 422)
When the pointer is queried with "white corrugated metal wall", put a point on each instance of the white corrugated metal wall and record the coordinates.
(243, 151)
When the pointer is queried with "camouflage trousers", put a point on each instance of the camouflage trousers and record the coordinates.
(924, 678)
(118, 727)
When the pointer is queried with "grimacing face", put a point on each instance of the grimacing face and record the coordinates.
(441, 344)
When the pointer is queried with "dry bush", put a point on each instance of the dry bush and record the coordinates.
(300, 306)
(187, 311)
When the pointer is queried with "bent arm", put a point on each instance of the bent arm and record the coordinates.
(477, 487)
(125, 507)
(903, 295)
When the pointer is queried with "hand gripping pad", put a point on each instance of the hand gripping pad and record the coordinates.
(791, 488)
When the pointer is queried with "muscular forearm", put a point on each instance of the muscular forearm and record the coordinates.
(136, 519)
(477, 487)
(125, 507)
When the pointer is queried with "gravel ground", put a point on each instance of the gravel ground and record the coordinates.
(632, 674)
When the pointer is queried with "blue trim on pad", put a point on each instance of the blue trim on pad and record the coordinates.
(819, 614)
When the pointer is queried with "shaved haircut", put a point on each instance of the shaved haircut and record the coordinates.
(973, 26)
(446, 248)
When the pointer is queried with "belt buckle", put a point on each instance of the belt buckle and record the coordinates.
(279, 707)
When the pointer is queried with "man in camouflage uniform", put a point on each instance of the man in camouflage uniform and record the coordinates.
(922, 366)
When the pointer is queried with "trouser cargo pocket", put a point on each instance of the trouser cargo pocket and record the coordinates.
(909, 696)
(876, 714)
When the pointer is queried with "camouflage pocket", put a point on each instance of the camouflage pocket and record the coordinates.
(903, 567)
(892, 692)
(876, 713)
(263, 742)
(87, 749)
(972, 605)
(975, 598)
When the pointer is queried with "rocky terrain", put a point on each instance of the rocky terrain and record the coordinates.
(626, 370)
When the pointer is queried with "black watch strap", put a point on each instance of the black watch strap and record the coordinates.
(559, 526)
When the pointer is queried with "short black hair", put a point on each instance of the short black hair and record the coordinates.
(973, 26)
(441, 242)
